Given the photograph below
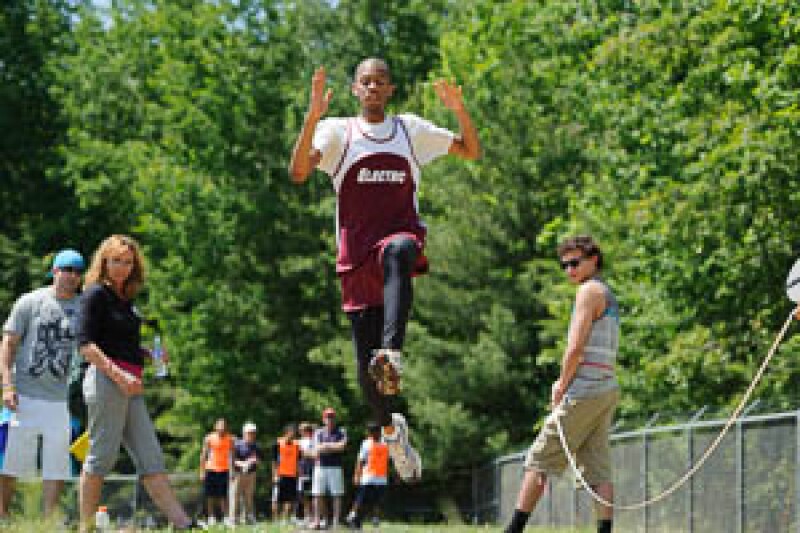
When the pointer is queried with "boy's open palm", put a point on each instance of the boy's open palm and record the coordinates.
(449, 94)
(320, 98)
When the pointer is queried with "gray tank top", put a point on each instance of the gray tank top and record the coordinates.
(595, 374)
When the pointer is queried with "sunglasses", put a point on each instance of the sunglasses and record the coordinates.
(571, 263)
(71, 270)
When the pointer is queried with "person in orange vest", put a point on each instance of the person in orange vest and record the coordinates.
(286, 457)
(371, 475)
(216, 459)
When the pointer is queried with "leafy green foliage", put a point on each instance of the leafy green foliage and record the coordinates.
(669, 131)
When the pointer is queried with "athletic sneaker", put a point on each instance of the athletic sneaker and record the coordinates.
(194, 525)
(385, 368)
(406, 460)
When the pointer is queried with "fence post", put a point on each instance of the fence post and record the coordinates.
(797, 471)
(497, 495)
(574, 493)
(689, 463)
(474, 495)
(135, 506)
(740, 503)
(643, 477)
(645, 465)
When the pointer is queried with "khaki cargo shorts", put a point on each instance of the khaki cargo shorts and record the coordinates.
(586, 423)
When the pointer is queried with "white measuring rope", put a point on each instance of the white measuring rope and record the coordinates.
(710, 450)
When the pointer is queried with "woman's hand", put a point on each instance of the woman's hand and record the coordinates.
(130, 384)
(557, 394)
(10, 397)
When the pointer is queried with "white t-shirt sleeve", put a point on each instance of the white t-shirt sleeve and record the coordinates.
(329, 139)
(428, 140)
(363, 453)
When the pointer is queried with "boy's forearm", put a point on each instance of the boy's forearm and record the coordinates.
(468, 134)
(301, 165)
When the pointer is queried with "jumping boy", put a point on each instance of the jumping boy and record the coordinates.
(374, 161)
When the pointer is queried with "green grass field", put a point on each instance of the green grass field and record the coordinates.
(29, 526)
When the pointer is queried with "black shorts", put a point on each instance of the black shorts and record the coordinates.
(304, 486)
(370, 495)
(215, 484)
(287, 489)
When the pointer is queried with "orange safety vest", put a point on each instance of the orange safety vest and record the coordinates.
(219, 452)
(378, 460)
(288, 456)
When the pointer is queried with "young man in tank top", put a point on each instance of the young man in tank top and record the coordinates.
(370, 476)
(216, 460)
(374, 161)
(585, 394)
(285, 463)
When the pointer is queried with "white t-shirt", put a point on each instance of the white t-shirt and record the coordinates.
(428, 140)
(47, 327)
(306, 463)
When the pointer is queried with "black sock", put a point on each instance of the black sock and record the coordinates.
(518, 522)
(604, 526)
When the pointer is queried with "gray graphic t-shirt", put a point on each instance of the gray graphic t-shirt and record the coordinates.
(46, 326)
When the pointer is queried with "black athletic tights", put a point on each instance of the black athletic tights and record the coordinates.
(385, 327)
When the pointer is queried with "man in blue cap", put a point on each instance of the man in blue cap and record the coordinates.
(35, 355)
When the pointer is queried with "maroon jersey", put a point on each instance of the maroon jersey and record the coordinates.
(376, 185)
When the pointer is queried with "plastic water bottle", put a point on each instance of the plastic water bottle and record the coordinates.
(101, 519)
(158, 358)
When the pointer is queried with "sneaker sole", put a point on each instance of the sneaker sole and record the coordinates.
(401, 465)
(384, 374)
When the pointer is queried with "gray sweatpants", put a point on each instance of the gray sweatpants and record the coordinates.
(116, 419)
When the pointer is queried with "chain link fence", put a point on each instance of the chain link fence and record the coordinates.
(127, 500)
(750, 484)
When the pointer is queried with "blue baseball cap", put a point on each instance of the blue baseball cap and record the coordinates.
(68, 258)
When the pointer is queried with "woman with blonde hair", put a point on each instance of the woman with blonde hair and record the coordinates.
(109, 339)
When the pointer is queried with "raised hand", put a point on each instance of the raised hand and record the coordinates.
(449, 94)
(320, 98)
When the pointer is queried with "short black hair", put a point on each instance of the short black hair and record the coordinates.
(374, 429)
(377, 60)
(584, 243)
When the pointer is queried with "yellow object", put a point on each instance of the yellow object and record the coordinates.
(80, 447)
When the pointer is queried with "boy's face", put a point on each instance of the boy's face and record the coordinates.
(373, 86)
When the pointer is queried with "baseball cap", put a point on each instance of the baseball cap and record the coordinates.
(249, 426)
(68, 258)
(328, 412)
